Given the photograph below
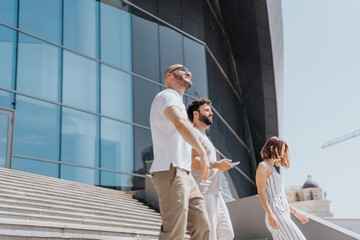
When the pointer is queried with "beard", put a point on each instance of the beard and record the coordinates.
(183, 82)
(204, 119)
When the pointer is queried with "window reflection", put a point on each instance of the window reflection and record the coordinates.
(8, 10)
(37, 129)
(6, 99)
(116, 153)
(36, 167)
(7, 56)
(116, 37)
(81, 26)
(4, 130)
(195, 60)
(41, 18)
(145, 43)
(80, 81)
(143, 154)
(171, 48)
(80, 145)
(116, 93)
(38, 68)
(144, 94)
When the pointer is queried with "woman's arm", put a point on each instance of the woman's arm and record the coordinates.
(303, 219)
(261, 175)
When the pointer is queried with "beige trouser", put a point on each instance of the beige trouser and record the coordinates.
(182, 206)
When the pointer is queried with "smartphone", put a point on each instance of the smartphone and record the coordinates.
(234, 163)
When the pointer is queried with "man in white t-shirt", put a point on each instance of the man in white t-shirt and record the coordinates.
(199, 112)
(182, 206)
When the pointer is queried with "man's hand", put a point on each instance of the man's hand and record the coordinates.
(205, 167)
(223, 165)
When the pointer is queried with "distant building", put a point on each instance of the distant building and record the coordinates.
(309, 198)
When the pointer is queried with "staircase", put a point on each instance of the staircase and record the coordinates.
(39, 207)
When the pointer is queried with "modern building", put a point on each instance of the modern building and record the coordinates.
(77, 78)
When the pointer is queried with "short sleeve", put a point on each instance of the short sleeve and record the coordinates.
(168, 99)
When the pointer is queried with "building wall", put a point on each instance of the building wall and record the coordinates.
(81, 76)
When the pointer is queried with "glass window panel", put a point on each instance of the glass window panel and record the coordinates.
(7, 57)
(81, 26)
(37, 129)
(143, 154)
(37, 167)
(8, 12)
(195, 60)
(41, 18)
(171, 48)
(116, 93)
(117, 153)
(80, 145)
(38, 68)
(116, 36)
(6, 99)
(224, 140)
(4, 131)
(80, 81)
(145, 43)
(144, 94)
(80, 174)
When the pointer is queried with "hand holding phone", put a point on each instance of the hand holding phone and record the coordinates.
(234, 163)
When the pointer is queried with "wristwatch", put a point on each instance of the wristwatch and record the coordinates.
(212, 165)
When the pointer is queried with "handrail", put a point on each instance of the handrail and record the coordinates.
(82, 166)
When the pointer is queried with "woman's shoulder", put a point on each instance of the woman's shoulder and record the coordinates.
(263, 168)
(262, 164)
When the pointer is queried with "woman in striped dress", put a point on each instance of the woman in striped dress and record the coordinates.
(270, 186)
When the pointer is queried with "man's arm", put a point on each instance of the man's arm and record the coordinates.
(223, 165)
(185, 129)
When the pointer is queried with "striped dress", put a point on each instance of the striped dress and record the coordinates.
(275, 196)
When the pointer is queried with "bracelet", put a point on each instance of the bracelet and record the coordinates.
(212, 165)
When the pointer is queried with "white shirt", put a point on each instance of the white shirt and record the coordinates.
(169, 146)
(212, 184)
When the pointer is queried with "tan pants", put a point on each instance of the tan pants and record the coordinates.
(182, 206)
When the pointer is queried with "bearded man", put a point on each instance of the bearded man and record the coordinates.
(199, 112)
(182, 206)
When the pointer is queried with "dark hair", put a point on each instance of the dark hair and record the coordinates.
(195, 105)
(273, 149)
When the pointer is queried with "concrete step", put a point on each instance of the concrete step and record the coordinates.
(20, 190)
(40, 229)
(51, 182)
(120, 223)
(40, 207)
(69, 187)
(11, 208)
(40, 204)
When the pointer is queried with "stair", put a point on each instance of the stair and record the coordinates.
(39, 207)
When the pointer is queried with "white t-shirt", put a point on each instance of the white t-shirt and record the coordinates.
(212, 184)
(169, 146)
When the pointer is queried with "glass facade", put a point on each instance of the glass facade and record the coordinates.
(81, 76)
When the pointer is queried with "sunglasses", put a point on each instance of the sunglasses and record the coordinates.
(185, 69)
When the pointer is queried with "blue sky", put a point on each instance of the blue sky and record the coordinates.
(322, 97)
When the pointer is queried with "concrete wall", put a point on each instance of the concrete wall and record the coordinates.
(248, 218)
(351, 224)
